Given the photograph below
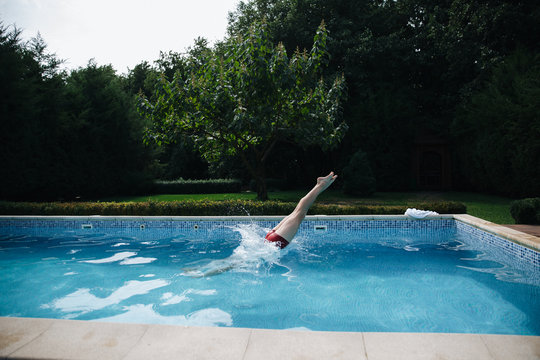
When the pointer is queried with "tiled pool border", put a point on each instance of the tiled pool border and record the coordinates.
(216, 223)
(521, 245)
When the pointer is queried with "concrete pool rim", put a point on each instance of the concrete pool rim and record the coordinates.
(32, 338)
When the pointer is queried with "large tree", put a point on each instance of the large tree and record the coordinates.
(104, 149)
(64, 135)
(31, 96)
(246, 95)
(497, 131)
(409, 64)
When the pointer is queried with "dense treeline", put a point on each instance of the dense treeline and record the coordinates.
(466, 73)
(462, 74)
(65, 135)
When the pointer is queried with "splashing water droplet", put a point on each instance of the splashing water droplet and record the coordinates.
(253, 255)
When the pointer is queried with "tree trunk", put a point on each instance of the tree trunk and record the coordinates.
(258, 171)
(260, 178)
(262, 193)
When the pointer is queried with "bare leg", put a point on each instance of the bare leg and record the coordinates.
(288, 227)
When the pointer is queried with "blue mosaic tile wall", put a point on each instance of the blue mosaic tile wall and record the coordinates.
(214, 225)
(516, 250)
(388, 227)
(361, 230)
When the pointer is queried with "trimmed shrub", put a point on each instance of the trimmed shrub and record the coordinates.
(212, 186)
(211, 208)
(359, 178)
(526, 211)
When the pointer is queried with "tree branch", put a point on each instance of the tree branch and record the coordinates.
(268, 149)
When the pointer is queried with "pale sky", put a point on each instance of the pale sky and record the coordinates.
(118, 32)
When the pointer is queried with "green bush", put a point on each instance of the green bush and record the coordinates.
(526, 211)
(212, 186)
(359, 178)
(210, 208)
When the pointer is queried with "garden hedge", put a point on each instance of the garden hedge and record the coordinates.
(210, 186)
(212, 208)
(526, 211)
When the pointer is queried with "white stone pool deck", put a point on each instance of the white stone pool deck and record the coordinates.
(29, 338)
(25, 338)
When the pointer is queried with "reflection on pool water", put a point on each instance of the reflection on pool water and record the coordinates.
(374, 279)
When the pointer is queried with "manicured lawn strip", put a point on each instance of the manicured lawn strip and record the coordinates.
(492, 208)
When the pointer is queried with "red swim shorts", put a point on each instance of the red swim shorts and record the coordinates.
(275, 238)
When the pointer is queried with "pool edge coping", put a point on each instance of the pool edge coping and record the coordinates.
(529, 241)
(35, 338)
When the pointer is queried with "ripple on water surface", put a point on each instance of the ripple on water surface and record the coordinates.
(439, 283)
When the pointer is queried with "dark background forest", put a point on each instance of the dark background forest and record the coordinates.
(440, 95)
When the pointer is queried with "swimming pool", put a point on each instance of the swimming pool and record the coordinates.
(340, 274)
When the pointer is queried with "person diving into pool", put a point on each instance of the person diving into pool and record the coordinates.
(285, 231)
(281, 235)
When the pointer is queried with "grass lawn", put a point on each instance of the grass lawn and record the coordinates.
(488, 207)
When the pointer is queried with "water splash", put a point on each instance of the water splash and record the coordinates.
(253, 255)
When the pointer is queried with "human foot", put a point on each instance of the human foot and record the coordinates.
(325, 181)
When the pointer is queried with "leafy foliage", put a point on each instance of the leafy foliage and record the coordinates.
(497, 131)
(247, 95)
(358, 176)
(526, 211)
(64, 135)
(466, 72)
(409, 64)
(212, 186)
(103, 122)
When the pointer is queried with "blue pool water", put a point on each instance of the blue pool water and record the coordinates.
(373, 279)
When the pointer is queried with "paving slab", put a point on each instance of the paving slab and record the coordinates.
(409, 346)
(528, 229)
(27, 338)
(293, 345)
(71, 339)
(14, 333)
(504, 347)
(179, 342)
